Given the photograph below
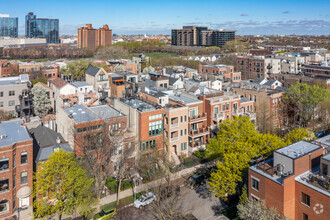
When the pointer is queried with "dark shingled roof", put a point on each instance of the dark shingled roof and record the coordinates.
(173, 80)
(45, 136)
(92, 70)
(270, 82)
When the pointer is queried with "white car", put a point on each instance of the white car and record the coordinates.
(145, 200)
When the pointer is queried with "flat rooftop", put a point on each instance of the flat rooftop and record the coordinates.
(184, 98)
(81, 113)
(80, 84)
(13, 132)
(105, 111)
(326, 157)
(323, 140)
(298, 149)
(138, 104)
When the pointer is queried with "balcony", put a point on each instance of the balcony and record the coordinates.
(237, 112)
(174, 139)
(199, 132)
(252, 115)
(201, 117)
(219, 116)
(176, 125)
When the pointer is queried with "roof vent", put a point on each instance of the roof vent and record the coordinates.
(3, 136)
(80, 109)
(83, 112)
(58, 140)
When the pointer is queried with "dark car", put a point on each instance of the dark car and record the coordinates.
(195, 180)
(169, 191)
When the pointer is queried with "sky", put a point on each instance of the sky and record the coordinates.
(160, 16)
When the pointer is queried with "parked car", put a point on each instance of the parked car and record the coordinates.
(168, 191)
(106, 213)
(144, 200)
(195, 180)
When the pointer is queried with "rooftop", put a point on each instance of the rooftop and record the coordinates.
(185, 98)
(45, 136)
(138, 104)
(323, 140)
(298, 149)
(13, 132)
(80, 84)
(217, 66)
(105, 111)
(45, 152)
(92, 70)
(81, 113)
(326, 157)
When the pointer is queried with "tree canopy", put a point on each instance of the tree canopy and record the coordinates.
(235, 145)
(41, 102)
(61, 186)
(302, 101)
(234, 46)
(76, 69)
(252, 210)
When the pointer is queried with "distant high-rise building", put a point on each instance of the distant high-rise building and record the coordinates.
(92, 38)
(8, 26)
(201, 36)
(42, 28)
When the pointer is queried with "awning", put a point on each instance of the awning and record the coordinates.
(24, 192)
(119, 80)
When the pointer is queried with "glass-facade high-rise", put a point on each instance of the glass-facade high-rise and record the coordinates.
(8, 26)
(42, 28)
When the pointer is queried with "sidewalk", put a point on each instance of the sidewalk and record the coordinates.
(145, 187)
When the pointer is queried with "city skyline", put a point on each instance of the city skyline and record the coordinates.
(144, 17)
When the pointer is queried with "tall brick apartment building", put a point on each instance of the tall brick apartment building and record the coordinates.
(295, 181)
(16, 168)
(91, 38)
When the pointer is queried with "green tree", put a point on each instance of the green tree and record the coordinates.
(41, 102)
(252, 210)
(61, 186)
(299, 134)
(76, 69)
(42, 80)
(234, 46)
(302, 101)
(243, 198)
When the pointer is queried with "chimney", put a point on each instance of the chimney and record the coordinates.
(89, 26)
(58, 140)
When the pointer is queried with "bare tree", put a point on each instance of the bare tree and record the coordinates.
(112, 52)
(263, 117)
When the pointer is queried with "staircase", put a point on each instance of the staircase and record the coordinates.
(175, 159)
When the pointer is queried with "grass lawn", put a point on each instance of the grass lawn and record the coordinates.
(161, 55)
(36, 60)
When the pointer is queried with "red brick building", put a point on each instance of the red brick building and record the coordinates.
(16, 168)
(295, 181)
(8, 68)
(92, 38)
(250, 67)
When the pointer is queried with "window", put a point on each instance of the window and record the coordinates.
(324, 169)
(1, 94)
(216, 110)
(193, 112)
(148, 145)
(153, 117)
(4, 164)
(23, 157)
(255, 184)
(185, 131)
(305, 216)
(11, 93)
(227, 106)
(24, 179)
(14, 160)
(254, 198)
(1, 104)
(14, 201)
(223, 107)
(4, 206)
(181, 119)
(183, 146)
(255, 98)
(11, 103)
(181, 133)
(185, 118)
(155, 128)
(305, 199)
(4, 185)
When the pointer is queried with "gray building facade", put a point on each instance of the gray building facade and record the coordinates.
(8, 26)
(42, 28)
